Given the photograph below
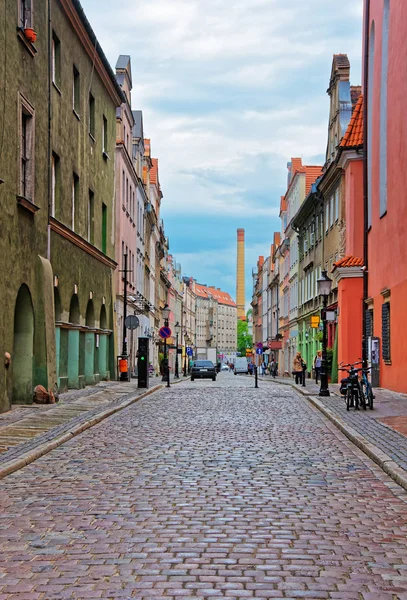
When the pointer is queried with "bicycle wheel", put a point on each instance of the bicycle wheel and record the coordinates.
(348, 399)
(369, 395)
(362, 396)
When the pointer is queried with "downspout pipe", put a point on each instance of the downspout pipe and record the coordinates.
(365, 176)
(49, 130)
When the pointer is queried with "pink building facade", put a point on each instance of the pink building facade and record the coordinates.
(386, 135)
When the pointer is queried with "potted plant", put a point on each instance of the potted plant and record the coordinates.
(30, 34)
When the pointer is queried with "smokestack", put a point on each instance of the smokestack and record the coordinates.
(240, 293)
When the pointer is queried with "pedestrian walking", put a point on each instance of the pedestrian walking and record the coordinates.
(273, 368)
(263, 368)
(297, 368)
(304, 371)
(318, 365)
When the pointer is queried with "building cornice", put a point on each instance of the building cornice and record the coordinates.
(81, 243)
(350, 155)
(347, 273)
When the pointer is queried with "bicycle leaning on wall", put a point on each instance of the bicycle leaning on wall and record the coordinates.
(357, 390)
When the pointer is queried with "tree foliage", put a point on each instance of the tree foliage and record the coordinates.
(244, 340)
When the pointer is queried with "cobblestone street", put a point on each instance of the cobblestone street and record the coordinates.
(205, 490)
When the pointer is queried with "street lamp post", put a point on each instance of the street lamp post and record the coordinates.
(186, 355)
(177, 328)
(324, 285)
(166, 376)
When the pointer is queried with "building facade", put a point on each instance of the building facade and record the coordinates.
(62, 182)
(386, 272)
(216, 318)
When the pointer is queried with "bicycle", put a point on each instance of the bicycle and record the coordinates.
(367, 389)
(351, 387)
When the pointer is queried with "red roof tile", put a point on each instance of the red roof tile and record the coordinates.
(348, 261)
(354, 133)
(311, 175)
(217, 294)
(283, 204)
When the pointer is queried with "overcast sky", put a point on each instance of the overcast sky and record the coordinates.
(230, 90)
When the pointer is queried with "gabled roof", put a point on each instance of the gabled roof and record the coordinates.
(209, 291)
(354, 134)
(348, 261)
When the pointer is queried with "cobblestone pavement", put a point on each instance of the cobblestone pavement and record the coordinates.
(368, 423)
(27, 426)
(205, 490)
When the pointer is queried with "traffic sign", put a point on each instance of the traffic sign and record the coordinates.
(131, 322)
(259, 350)
(259, 345)
(189, 351)
(164, 333)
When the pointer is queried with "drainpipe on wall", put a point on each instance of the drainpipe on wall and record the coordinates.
(49, 129)
(365, 177)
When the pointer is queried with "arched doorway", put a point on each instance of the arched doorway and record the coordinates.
(75, 366)
(23, 348)
(58, 336)
(103, 345)
(89, 345)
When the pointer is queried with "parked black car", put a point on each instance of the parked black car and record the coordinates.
(203, 369)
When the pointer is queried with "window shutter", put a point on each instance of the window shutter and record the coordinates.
(386, 331)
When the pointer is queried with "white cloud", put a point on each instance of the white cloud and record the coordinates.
(230, 91)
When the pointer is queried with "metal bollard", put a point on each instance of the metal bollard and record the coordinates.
(255, 377)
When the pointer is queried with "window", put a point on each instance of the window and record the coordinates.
(386, 354)
(92, 116)
(56, 60)
(326, 217)
(75, 199)
(25, 14)
(56, 185)
(127, 194)
(104, 136)
(337, 204)
(331, 210)
(104, 228)
(26, 148)
(369, 323)
(76, 91)
(91, 217)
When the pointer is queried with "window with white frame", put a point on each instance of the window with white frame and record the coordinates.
(75, 199)
(337, 203)
(56, 60)
(55, 185)
(331, 210)
(326, 216)
(26, 126)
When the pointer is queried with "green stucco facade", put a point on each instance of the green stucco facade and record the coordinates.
(55, 244)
